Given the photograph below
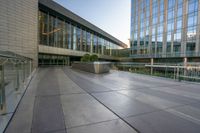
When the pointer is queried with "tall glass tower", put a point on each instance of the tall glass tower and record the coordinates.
(165, 28)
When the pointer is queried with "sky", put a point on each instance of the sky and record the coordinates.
(112, 16)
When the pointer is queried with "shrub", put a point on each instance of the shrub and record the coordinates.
(93, 58)
(89, 58)
(85, 58)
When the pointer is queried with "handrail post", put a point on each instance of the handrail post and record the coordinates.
(30, 67)
(23, 70)
(178, 77)
(17, 76)
(174, 73)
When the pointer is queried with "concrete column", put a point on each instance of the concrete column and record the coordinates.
(64, 37)
(48, 43)
(175, 26)
(91, 43)
(150, 28)
(184, 28)
(152, 62)
(165, 29)
(197, 48)
(138, 33)
(158, 20)
(145, 28)
(185, 65)
(81, 40)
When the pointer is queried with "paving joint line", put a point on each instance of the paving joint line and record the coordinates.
(106, 107)
(159, 110)
(93, 123)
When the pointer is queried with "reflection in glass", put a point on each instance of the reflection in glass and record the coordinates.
(57, 32)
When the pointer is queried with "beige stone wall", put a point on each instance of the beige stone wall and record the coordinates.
(19, 26)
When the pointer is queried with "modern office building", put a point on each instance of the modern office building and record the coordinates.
(47, 33)
(165, 30)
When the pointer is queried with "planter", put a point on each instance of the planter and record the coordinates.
(93, 67)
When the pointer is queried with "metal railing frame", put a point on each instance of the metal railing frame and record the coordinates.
(17, 61)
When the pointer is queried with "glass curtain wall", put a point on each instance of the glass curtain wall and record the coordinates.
(56, 32)
(176, 30)
(191, 26)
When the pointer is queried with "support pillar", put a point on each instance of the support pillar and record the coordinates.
(185, 65)
(152, 62)
(2, 91)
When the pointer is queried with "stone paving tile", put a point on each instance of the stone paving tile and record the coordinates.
(190, 95)
(66, 85)
(72, 101)
(162, 122)
(192, 110)
(122, 105)
(146, 100)
(60, 131)
(193, 88)
(168, 96)
(22, 119)
(86, 85)
(48, 84)
(82, 109)
(48, 115)
(4, 119)
(154, 101)
(114, 126)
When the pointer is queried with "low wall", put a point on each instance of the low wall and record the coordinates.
(93, 67)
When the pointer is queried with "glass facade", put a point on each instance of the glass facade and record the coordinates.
(164, 28)
(61, 33)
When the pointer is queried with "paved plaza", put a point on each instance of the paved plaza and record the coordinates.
(64, 100)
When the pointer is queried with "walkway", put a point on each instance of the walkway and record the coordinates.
(61, 100)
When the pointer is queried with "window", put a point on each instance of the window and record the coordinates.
(192, 19)
(43, 23)
(69, 37)
(74, 37)
(88, 42)
(84, 45)
(95, 44)
(192, 6)
(52, 29)
(60, 29)
(78, 38)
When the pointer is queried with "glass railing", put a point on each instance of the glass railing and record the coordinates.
(174, 54)
(15, 71)
(176, 71)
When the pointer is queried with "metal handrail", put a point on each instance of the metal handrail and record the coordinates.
(12, 55)
(16, 60)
